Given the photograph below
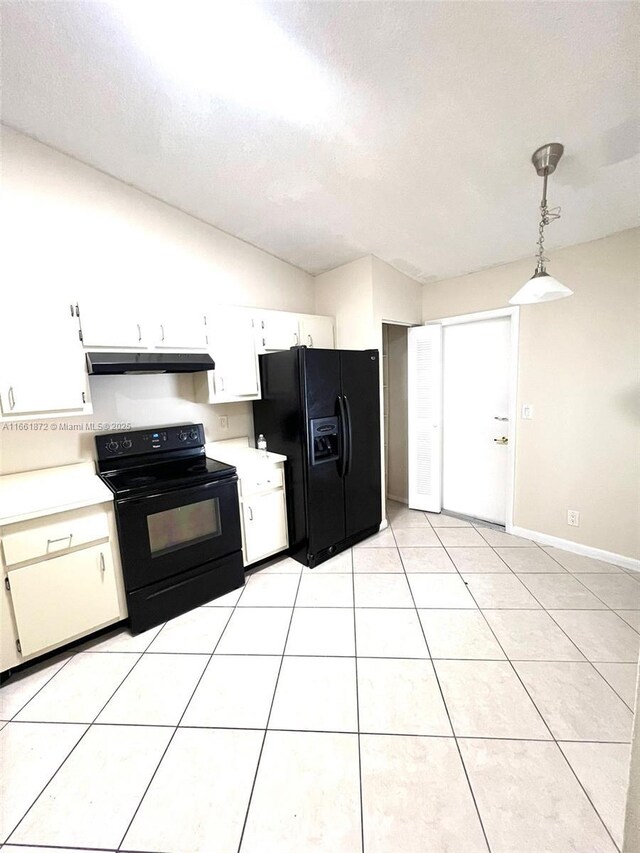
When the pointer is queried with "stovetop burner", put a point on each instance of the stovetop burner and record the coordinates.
(157, 460)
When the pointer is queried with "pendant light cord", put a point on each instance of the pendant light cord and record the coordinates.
(547, 215)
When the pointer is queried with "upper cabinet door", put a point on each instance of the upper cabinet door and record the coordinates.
(42, 363)
(278, 330)
(180, 329)
(105, 325)
(232, 345)
(316, 331)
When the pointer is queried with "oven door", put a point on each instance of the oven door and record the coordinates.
(162, 535)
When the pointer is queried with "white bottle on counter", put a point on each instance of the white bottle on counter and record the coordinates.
(262, 445)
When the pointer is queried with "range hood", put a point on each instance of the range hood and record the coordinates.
(113, 363)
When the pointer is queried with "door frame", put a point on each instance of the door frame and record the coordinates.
(383, 486)
(514, 315)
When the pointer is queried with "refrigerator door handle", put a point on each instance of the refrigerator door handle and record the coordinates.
(343, 437)
(347, 467)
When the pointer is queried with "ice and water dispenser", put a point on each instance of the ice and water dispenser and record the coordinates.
(325, 440)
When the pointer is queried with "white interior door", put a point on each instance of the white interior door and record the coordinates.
(424, 391)
(476, 358)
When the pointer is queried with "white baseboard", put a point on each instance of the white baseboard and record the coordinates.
(577, 548)
(397, 498)
(383, 524)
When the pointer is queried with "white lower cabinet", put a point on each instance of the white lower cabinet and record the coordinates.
(54, 600)
(264, 521)
(61, 581)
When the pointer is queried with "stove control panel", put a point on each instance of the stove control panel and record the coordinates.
(149, 441)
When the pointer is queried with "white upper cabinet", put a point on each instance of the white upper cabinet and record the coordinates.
(42, 363)
(180, 329)
(281, 330)
(316, 331)
(278, 330)
(105, 325)
(232, 345)
(131, 327)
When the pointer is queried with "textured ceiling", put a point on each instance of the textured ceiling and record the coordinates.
(323, 131)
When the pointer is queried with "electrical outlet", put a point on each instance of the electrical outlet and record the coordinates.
(223, 422)
(527, 411)
(573, 517)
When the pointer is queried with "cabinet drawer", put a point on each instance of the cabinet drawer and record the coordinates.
(32, 540)
(59, 599)
(262, 480)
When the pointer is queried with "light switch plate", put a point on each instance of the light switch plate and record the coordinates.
(223, 422)
(527, 411)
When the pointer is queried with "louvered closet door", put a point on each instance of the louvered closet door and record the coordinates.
(424, 385)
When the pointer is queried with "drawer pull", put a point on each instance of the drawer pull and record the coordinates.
(12, 399)
(103, 567)
(161, 332)
(138, 327)
(250, 514)
(60, 539)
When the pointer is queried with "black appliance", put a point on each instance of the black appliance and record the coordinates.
(113, 363)
(321, 408)
(178, 520)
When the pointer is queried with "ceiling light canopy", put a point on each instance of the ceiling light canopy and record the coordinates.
(229, 49)
(543, 287)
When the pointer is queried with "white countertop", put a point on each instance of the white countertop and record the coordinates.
(37, 493)
(236, 451)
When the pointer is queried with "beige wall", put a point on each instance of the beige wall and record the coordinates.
(579, 367)
(397, 428)
(70, 229)
(347, 294)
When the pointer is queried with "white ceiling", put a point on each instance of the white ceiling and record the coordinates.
(322, 131)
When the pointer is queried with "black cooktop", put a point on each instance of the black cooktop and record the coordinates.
(161, 476)
(157, 460)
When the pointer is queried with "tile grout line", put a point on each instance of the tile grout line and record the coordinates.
(554, 739)
(355, 653)
(176, 727)
(266, 725)
(531, 698)
(455, 739)
(48, 681)
(79, 741)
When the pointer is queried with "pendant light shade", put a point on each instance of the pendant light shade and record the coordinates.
(541, 287)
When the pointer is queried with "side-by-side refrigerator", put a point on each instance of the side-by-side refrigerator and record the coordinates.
(321, 409)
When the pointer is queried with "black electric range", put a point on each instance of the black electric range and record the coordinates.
(178, 520)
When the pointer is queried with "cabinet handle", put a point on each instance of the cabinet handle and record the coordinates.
(295, 335)
(222, 383)
(103, 567)
(264, 342)
(161, 333)
(12, 399)
(250, 514)
(69, 536)
(310, 339)
(139, 332)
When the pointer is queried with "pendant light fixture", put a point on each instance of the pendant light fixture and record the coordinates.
(543, 287)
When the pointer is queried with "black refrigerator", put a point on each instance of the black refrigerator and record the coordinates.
(321, 409)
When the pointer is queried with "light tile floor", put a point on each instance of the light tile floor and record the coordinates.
(477, 697)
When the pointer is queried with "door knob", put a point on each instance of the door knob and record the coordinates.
(502, 440)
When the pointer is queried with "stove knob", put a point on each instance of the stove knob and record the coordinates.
(112, 446)
(126, 444)
(183, 436)
(193, 435)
